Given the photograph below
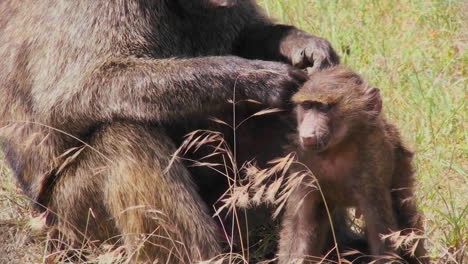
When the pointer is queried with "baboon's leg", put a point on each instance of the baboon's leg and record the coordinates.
(375, 203)
(304, 228)
(408, 220)
(404, 205)
(158, 213)
(347, 239)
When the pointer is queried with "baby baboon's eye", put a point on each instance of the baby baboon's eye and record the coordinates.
(325, 107)
(306, 105)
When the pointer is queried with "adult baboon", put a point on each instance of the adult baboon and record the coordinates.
(358, 160)
(91, 89)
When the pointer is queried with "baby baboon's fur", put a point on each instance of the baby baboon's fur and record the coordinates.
(358, 159)
(90, 90)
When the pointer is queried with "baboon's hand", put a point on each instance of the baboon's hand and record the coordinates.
(304, 50)
(269, 82)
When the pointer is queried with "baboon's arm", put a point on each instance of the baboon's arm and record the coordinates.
(169, 89)
(285, 43)
(303, 229)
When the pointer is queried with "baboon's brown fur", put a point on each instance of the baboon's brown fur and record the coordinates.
(358, 160)
(89, 93)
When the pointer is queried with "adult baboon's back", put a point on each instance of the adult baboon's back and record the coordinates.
(89, 87)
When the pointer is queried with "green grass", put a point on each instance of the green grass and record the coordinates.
(415, 52)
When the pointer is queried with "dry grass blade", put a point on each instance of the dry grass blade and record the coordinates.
(195, 140)
(253, 101)
(258, 195)
(293, 181)
(271, 185)
(408, 241)
(267, 111)
(260, 113)
(270, 194)
(219, 121)
(70, 159)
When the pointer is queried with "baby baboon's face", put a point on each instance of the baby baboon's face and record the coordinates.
(313, 125)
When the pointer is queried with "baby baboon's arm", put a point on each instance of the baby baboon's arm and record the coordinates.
(304, 226)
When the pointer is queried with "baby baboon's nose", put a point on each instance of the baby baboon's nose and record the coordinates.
(307, 141)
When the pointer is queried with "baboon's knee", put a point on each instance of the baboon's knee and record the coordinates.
(119, 187)
(156, 208)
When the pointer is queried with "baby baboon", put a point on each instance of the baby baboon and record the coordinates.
(358, 160)
(89, 93)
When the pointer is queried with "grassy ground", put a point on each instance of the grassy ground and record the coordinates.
(415, 51)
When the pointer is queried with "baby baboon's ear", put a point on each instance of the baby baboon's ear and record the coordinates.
(374, 100)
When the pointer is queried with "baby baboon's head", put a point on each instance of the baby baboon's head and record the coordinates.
(333, 104)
